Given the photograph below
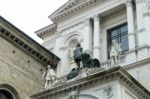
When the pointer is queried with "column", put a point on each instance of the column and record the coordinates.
(87, 36)
(147, 24)
(57, 47)
(64, 66)
(131, 26)
(96, 47)
(140, 23)
(141, 30)
(131, 57)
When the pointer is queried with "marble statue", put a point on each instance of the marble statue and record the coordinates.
(115, 52)
(71, 54)
(71, 51)
(50, 77)
(78, 54)
(72, 95)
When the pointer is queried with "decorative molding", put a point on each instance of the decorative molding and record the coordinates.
(73, 94)
(131, 34)
(47, 29)
(96, 17)
(139, 1)
(141, 30)
(26, 48)
(86, 21)
(70, 28)
(75, 35)
(92, 79)
(73, 9)
(10, 89)
(63, 47)
(108, 92)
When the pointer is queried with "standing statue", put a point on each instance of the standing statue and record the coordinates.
(72, 95)
(71, 54)
(50, 77)
(115, 52)
(78, 54)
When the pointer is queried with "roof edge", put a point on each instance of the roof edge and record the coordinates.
(50, 57)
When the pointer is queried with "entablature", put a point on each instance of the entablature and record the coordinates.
(26, 44)
(50, 29)
(116, 73)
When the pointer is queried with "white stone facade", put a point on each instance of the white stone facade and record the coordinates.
(114, 83)
(88, 21)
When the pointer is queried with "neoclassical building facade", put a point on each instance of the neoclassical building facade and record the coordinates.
(95, 24)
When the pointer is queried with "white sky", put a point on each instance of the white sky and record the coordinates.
(29, 15)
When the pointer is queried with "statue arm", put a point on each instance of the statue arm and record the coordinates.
(53, 73)
(44, 74)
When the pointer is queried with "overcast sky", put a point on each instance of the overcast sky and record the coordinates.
(29, 15)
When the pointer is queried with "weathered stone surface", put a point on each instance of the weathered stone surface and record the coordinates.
(19, 70)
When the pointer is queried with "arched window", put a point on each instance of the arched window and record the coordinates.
(8, 92)
(4, 94)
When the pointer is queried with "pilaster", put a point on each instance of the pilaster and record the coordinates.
(131, 57)
(140, 23)
(97, 32)
(87, 36)
(131, 26)
(141, 30)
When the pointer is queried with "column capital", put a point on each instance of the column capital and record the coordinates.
(96, 17)
(129, 3)
(86, 21)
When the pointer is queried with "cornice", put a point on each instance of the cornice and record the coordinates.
(101, 76)
(73, 9)
(26, 44)
(70, 28)
(50, 28)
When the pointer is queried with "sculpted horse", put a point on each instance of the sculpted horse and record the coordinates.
(88, 62)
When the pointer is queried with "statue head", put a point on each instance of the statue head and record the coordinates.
(114, 42)
(48, 67)
(78, 44)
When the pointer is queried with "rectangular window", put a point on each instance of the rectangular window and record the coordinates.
(120, 34)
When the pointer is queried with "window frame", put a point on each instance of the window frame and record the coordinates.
(118, 28)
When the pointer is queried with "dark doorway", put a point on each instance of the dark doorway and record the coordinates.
(5, 95)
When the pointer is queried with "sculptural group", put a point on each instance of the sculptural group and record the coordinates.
(82, 60)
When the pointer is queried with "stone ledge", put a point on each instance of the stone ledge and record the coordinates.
(113, 73)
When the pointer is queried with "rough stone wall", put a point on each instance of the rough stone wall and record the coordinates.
(19, 70)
